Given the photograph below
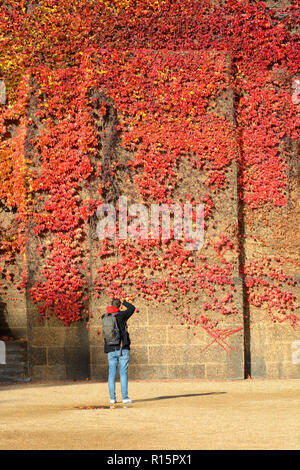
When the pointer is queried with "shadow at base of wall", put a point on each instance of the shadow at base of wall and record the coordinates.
(5, 331)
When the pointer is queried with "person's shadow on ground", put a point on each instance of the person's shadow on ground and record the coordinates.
(163, 397)
(166, 397)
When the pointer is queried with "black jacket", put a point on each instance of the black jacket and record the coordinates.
(122, 318)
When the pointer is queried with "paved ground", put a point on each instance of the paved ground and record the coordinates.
(169, 415)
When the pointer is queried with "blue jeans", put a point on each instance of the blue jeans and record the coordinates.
(115, 358)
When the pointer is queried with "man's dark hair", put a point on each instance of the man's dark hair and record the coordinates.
(116, 303)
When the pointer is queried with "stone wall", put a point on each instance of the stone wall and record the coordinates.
(275, 347)
(161, 347)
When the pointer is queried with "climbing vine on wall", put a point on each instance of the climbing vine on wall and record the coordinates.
(163, 65)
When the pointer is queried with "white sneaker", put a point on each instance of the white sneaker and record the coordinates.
(127, 400)
(112, 402)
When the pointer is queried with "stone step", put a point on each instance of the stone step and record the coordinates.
(14, 360)
(17, 352)
(15, 367)
(12, 368)
(13, 379)
(15, 345)
(12, 375)
(9, 351)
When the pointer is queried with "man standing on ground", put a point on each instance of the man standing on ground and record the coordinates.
(117, 349)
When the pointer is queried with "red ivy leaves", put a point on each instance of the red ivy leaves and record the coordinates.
(158, 62)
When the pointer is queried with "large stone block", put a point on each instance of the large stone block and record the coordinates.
(258, 367)
(179, 334)
(139, 355)
(97, 355)
(45, 372)
(147, 372)
(186, 371)
(279, 351)
(98, 371)
(76, 336)
(96, 337)
(37, 355)
(166, 354)
(42, 336)
(143, 335)
(219, 370)
(160, 316)
(282, 369)
(76, 362)
(55, 356)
